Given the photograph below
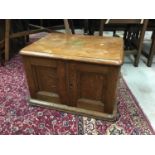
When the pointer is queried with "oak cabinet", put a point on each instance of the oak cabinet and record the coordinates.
(68, 79)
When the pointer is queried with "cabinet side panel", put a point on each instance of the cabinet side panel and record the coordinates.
(112, 81)
(29, 76)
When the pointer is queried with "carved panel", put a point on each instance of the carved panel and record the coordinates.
(88, 85)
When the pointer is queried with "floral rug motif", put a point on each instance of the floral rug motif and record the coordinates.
(17, 117)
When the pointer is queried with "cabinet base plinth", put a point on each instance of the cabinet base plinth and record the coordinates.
(75, 110)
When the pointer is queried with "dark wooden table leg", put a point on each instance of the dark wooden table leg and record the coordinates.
(91, 26)
(152, 51)
(101, 27)
(7, 39)
(71, 24)
(86, 26)
(27, 39)
(140, 46)
(1, 57)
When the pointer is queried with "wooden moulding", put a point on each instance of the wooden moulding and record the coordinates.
(75, 110)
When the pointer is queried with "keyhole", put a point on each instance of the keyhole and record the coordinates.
(71, 85)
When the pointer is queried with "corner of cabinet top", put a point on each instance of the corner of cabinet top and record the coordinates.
(96, 49)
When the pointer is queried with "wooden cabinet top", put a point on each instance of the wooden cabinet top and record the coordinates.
(96, 49)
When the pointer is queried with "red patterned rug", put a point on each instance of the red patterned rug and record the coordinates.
(17, 117)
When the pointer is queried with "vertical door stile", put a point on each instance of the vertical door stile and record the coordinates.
(62, 82)
(72, 85)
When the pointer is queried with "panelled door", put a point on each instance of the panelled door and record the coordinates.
(92, 86)
(47, 79)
